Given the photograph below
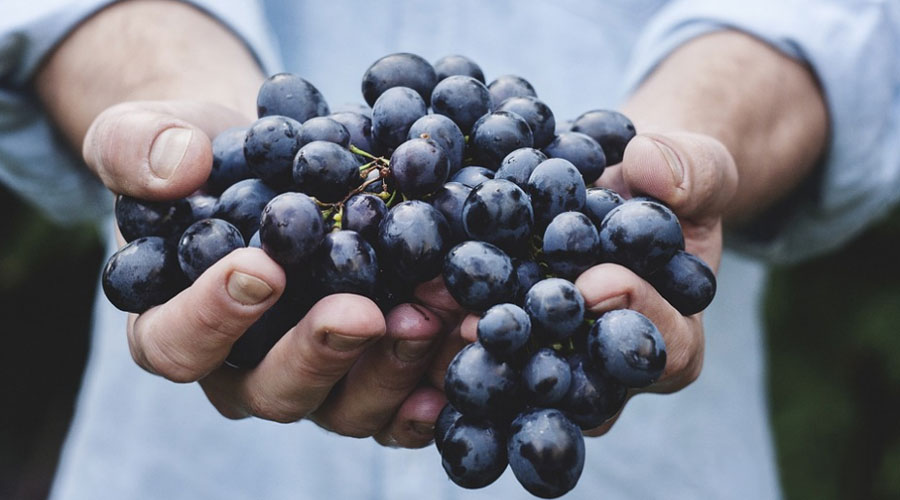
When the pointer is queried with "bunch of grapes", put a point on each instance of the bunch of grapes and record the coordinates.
(440, 175)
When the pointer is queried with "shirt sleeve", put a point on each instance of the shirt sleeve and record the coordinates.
(853, 47)
(35, 161)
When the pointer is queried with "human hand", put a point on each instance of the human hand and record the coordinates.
(344, 365)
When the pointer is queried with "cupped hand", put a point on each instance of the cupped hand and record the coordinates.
(345, 366)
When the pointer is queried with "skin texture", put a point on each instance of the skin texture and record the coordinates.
(728, 126)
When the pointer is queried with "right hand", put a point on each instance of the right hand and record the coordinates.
(160, 150)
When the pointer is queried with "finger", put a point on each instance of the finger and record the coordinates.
(191, 334)
(606, 287)
(385, 374)
(302, 368)
(156, 150)
(413, 425)
(451, 344)
(437, 298)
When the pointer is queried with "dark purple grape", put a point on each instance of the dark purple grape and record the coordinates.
(363, 213)
(546, 452)
(545, 378)
(457, 65)
(446, 418)
(291, 229)
(538, 115)
(269, 148)
(326, 171)
(686, 282)
(641, 235)
(202, 206)
(412, 241)
(242, 205)
(138, 218)
(229, 165)
(463, 99)
(142, 274)
(582, 151)
(449, 201)
(472, 176)
(518, 165)
(479, 275)
(204, 243)
(556, 308)
(480, 385)
(419, 167)
(507, 86)
(496, 135)
(352, 107)
(598, 202)
(323, 128)
(442, 130)
(593, 396)
(289, 95)
(499, 212)
(473, 453)
(359, 126)
(628, 347)
(393, 115)
(571, 245)
(345, 263)
(504, 330)
(611, 129)
(527, 273)
(398, 70)
(555, 187)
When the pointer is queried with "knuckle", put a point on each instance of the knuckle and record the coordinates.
(344, 425)
(270, 409)
(168, 362)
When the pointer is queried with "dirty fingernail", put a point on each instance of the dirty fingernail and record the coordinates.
(168, 150)
(247, 289)
(411, 350)
(423, 428)
(344, 343)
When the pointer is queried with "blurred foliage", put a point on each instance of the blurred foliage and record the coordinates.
(834, 355)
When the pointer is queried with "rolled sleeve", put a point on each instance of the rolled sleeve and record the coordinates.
(853, 47)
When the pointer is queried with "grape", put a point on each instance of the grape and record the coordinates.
(473, 453)
(611, 129)
(519, 164)
(600, 201)
(229, 164)
(479, 275)
(628, 347)
(242, 205)
(345, 263)
(507, 86)
(499, 212)
(480, 385)
(323, 128)
(269, 148)
(326, 171)
(138, 218)
(289, 95)
(546, 378)
(497, 134)
(419, 167)
(538, 115)
(393, 114)
(446, 418)
(463, 99)
(555, 187)
(412, 241)
(359, 126)
(556, 308)
(527, 273)
(582, 151)
(398, 70)
(686, 282)
(142, 274)
(472, 176)
(457, 65)
(571, 244)
(641, 235)
(449, 201)
(291, 228)
(204, 243)
(593, 397)
(442, 130)
(546, 452)
(503, 330)
(202, 206)
(363, 213)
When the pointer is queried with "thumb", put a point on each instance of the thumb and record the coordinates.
(693, 174)
(156, 150)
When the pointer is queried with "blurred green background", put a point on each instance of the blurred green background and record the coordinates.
(834, 355)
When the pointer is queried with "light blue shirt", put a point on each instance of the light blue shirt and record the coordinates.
(139, 436)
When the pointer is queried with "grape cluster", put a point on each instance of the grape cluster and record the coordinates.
(439, 175)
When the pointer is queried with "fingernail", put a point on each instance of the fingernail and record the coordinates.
(411, 350)
(423, 428)
(344, 343)
(672, 161)
(168, 150)
(612, 303)
(247, 289)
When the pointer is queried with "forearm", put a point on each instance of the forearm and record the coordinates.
(764, 107)
(140, 50)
